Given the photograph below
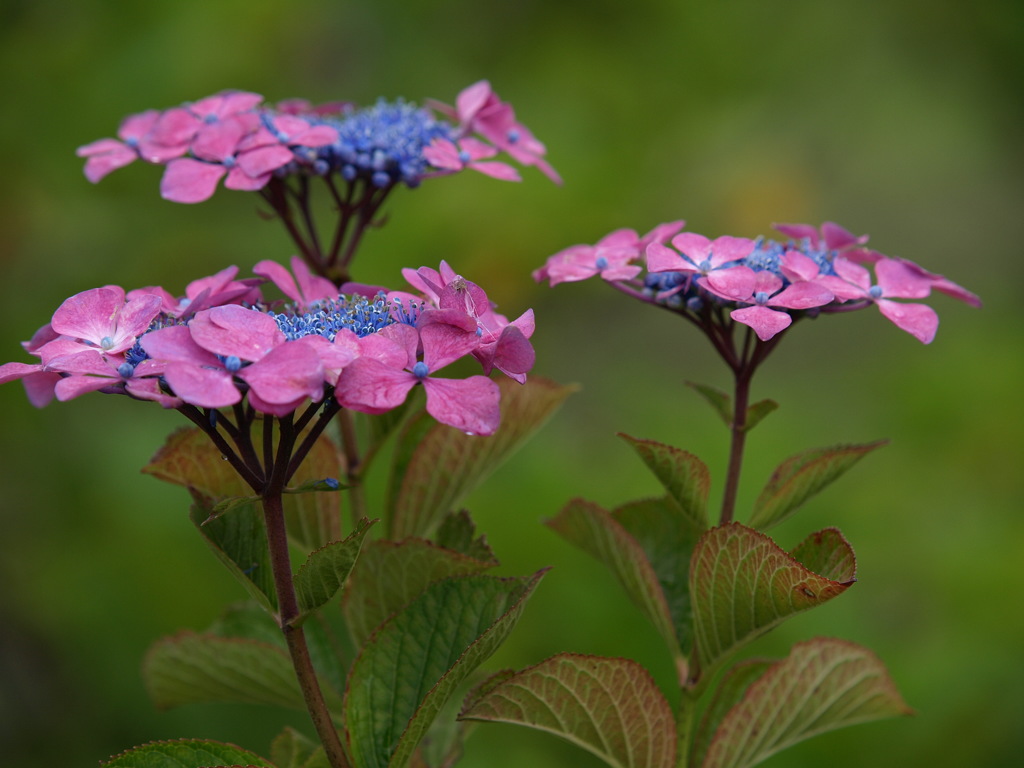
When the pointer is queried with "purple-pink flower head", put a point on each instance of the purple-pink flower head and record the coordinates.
(389, 366)
(612, 257)
(100, 319)
(206, 292)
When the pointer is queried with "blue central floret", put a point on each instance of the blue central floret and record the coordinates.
(383, 143)
(358, 314)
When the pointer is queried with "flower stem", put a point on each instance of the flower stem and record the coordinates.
(738, 438)
(288, 612)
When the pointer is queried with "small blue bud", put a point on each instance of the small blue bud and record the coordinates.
(761, 297)
(232, 363)
(381, 179)
(601, 262)
(125, 370)
(106, 343)
(875, 292)
(513, 136)
(420, 370)
(464, 157)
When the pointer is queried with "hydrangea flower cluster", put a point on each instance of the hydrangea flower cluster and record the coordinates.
(760, 283)
(234, 136)
(221, 345)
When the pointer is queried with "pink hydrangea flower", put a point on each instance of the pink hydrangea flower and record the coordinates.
(479, 110)
(766, 294)
(389, 367)
(206, 292)
(210, 127)
(896, 280)
(468, 153)
(99, 319)
(611, 257)
(304, 288)
(106, 155)
(91, 371)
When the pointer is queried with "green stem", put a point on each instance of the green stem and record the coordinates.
(288, 612)
(738, 438)
(684, 728)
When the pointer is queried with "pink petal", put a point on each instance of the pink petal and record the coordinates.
(514, 353)
(175, 344)
(661, 233)
(802, 296)
(190, 181)
(312, 287)
(369, 386)
(898, 280)
(134, 127)
(736, 283)
(71, 387)
(442, 153)
(256, 162)
(217, 141)
(240, 181)
(14, 371)
(288, 372)
(471, 405)
(280, 277)
(799, 232)
(174, 127)
(919, 320)
(205, 387)
(496, 170)
(444, 344)
(838, 238)
(90, 315)
(234, 330)
(661, 258)
(725, 249)
(765, 322)
(104, 156)
(471, 99)
(39, 387)
(852, 273)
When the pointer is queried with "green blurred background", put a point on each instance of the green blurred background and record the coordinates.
(897, 118)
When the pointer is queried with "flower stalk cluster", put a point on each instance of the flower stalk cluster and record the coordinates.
(743, 294)
(357, 156)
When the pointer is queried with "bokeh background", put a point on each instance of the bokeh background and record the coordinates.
(893, 117)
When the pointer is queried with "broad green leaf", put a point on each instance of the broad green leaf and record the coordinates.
(389, 574)
(458, 532)
(188, 458)
(668, 541)
(730, 690)
(189, 668)
(757, 412)
(411, 665)
(239, 540)
(684, 476)
(326, 569)
(601, 535)
(186, 753)
(718, 399)
(435, 465)
(800, 477)
(742, 584)
(291, 749)
(248, 621)
(824, 684)
(828, 554)
(610, 707)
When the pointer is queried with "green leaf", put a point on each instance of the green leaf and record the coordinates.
(757, 412)
(435, 465)
(249, 621)
(824, 684)
(718, 399)
(730, 691)
(291, 749)
(601, 535)
(668, 540)
(684, 476)
(188, 458)
(389, 574)
(186, 753)
(326, 569)
(239, 540)
(800, 477)
(742, 584)
(411, 665)
(190, 668)
(458, 532)
(610, 707)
